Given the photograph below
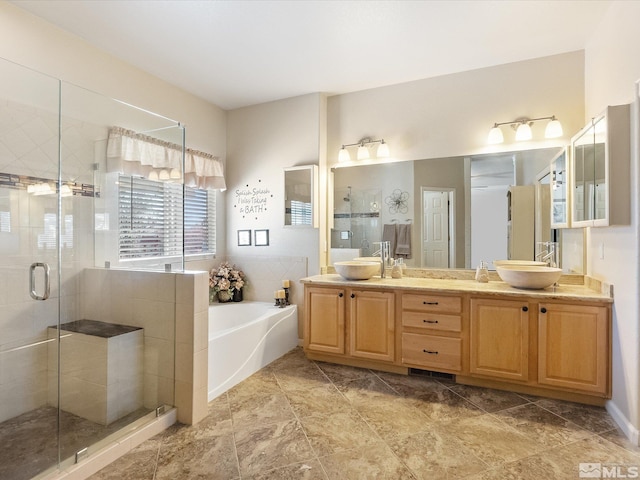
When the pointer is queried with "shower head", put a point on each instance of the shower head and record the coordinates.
(348, 197)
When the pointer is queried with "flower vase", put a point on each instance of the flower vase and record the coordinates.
(212, 296)
(237, 295)
(224, 296)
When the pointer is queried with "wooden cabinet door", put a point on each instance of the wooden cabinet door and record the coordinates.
(499, 339)
(372, 325)
(573, 347)
(324, 319)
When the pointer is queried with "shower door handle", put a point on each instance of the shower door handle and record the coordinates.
(32, 281)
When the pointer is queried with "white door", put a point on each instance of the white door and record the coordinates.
(435, 235)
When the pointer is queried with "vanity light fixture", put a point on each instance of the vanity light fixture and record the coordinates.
(363, 150)
(523, 129)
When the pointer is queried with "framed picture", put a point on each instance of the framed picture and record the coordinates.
(261, 238)
(244, 238)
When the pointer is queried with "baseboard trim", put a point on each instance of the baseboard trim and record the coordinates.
(631, 432)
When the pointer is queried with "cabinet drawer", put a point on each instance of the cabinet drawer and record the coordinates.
(432, 303)
(432, 351)
(432, 321)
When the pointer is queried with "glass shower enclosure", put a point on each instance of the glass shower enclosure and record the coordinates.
(67, 382)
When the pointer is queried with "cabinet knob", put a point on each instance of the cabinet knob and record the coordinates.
(429, 303)
(430, 321)
(353, 295)
(341, 294)
(525, 309)
(430, 352)
(543, 310)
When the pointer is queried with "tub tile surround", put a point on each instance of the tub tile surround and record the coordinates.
(316, 420)
(265, 275)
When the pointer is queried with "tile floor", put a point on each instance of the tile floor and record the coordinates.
(28, 443)
(302, 419)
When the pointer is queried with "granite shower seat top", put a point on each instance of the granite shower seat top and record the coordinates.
(97, 328)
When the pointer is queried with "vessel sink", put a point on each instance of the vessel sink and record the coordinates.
(529, 276)
(357, 270)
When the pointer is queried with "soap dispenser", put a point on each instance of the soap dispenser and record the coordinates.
(482, 272)
(396, 271)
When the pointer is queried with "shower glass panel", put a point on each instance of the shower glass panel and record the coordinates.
(29, 167)
(84, 352)
(116, 356)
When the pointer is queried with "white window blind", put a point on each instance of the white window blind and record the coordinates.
(301, 213)
(151, 219)
(199, 221)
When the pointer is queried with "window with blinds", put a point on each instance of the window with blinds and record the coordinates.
(151, 219)
(301, 213)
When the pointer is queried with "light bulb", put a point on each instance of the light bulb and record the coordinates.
(383, 150)
(523, 132)
(344, 156)
(363, 152)
(153, 175)
(164, 175)
(495, 135)
(554, 129)
(175, 174)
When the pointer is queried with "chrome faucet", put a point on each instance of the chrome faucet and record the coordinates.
(548, 258)
(385, 255)
(548, 254)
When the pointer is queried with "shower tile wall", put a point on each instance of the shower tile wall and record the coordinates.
(139, 299)
(172, 309)
(28, 227)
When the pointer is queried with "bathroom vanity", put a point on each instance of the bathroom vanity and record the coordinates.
(554, 342)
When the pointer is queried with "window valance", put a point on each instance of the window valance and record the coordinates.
(133, 153)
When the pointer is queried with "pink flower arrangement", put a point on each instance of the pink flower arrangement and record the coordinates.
(227, 278)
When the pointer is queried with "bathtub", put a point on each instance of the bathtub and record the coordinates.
(244, 337)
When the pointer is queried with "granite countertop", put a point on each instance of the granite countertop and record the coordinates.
(565, 291)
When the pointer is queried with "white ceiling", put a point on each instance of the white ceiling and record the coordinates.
(238, 53)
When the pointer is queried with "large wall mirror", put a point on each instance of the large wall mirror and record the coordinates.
(300, 196)
(455, 210)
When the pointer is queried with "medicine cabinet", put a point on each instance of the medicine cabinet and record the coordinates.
(601, 182)
(301, 196)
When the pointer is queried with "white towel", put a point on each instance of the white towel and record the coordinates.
(403, 239)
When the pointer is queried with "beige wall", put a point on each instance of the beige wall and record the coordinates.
(263, 140)
(612, 68)
(451, 115)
